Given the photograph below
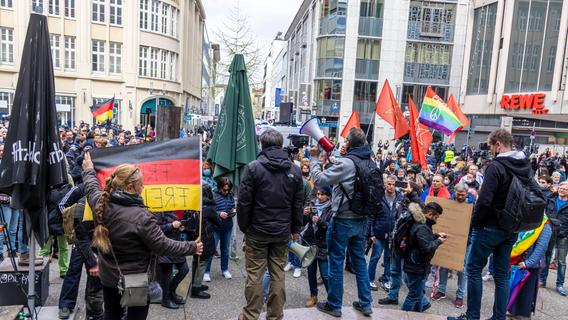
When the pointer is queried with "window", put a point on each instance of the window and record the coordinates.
(54, 7)
(115, 12)
(163, 62)
(328, 89)
(6, 100)
(6, 45)
(330, 47)
(534, 44)
(155, 15)
(427, 62)
(165, 13)
(55, 49)
(5, 3)
(154, 63)
(333, 17)
(173, 66)
(368, 49)
(37, 6)
(70, 8)
(143, 62)
(69, 53)
(115, 51)
(98, 56)
(65, 106)
(144, 14)
(98, 10)
(482, 49)
(365, 91)
(429, 20)
(432, 22)
(173, 21)
(371, 8)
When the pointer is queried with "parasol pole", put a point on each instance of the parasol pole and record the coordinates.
(31, 272)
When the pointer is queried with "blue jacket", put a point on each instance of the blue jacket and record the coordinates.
(224, 204)
(381, 226)
(535, 254)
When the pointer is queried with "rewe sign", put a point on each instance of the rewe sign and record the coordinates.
(532, 101)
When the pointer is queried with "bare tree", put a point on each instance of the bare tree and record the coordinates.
(236, 36)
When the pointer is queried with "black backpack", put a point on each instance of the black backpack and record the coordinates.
(524, 206)
(369, 188)
(401, 235)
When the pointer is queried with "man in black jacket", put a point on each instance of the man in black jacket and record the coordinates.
(269, 210)
(486, 236)
(422, 247)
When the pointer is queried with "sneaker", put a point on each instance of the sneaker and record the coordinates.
(367, 311)
(487, 277)
(64, 313)
(311, 302)
(326, 308)
(227, 274)
(207, 277)
(297, 272)
(373, 286)
(458, 303)
(288, 267)
(386, 286)
(438, 296)
(388, 301)
(561, 290)
(462, 316)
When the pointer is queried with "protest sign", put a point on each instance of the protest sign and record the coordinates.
(454, 221)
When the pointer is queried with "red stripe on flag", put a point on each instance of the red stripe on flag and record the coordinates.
(185, 171)
(104, 108)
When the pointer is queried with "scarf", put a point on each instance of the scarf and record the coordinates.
(442, 193)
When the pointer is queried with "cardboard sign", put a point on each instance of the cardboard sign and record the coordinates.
(454, 221)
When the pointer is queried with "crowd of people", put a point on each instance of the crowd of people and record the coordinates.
(315, 199)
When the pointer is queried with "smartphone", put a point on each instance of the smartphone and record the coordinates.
(401, 184)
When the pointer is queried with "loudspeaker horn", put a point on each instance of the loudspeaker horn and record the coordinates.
(306, 254)
(312, 129)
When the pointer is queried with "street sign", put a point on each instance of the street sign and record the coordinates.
(335, 107)
(188, 117)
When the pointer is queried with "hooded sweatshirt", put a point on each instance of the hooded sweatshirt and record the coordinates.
(494, 190)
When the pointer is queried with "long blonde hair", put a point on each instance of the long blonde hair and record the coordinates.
(118, 180)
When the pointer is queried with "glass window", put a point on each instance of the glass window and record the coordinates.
(154, 63)
(37, 6)
(144, 14)
(417, 92)
(6, 100)
(533, 45)
(371, 8)
(331, 47)
(115, 50)
(115, 12)
(65, 106)
(163, 62)
(369, 49)
(143, 62)
(6, 3)
(430, 20)
(333, 17)
(165, 13)
(69, 53)
(98, 14)
(155, 15)
(481, 49)
(365, 91)
(53, 8)
(6, 45)
(328, 89)
(173, 22)
(173, 66)
(98, 56)
(427, 62)
(70, 8)
(55, 49)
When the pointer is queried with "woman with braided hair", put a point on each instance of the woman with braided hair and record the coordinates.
(126, 229)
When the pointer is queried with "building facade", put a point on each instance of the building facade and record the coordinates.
(341, 52)
(515, 70)
(273, 78)
(142, 53)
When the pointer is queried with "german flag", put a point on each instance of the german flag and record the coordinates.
(171, 170)
(103, 111)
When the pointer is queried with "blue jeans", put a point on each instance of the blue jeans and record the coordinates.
(396, 279)
(347, 234)
(313, 275)
(443, 281)
(562, 251)
(380, 247)
(293, 259)
(265, 284)
(70, 287)
(484, 242)
(225, 238)
(10, 218)
(413, 301)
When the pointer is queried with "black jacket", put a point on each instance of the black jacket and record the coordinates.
(558, 219)
(210, 220)
(422, 243)
(55, 218)
(316, 234)
(496, 183)
(271, 196)
(381, 225)
(165, 220)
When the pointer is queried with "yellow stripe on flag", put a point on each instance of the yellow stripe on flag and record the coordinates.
(104, 116)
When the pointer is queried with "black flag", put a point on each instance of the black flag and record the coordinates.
(33, 160)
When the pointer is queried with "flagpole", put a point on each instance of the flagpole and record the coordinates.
(369, 127)
(31, 272)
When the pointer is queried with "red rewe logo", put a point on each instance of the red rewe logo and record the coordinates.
(533, 101)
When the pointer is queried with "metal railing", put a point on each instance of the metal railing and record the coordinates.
(427, 73)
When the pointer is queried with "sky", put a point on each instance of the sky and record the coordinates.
(266, 17)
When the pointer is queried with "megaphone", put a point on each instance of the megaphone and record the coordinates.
(312, 129)
(307, 255)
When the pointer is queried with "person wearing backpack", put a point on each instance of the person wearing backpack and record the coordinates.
(358, 190)
(490, 232)
(421, 246)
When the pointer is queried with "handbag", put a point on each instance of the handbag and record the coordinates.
(133, 288)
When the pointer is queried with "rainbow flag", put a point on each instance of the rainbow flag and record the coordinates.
(526, 239)
(436, 114)
(103, 111)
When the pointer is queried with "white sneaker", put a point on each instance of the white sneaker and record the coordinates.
(487, 277)
(288, 267)
(206, 277)
(297, 272)
(373, 286)
(227, 275)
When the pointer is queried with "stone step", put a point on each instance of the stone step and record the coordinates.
(350, 313)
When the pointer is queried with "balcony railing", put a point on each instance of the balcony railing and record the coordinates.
(370, 26)
(332, 68)
(427, 73)
(367, 69)
(366, 110)
(332, 24)
(415, 32)
(328, 107)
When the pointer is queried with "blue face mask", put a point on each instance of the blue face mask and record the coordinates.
(442, 170)
(207, 172)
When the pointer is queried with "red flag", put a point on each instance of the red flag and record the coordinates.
(353, 122)
(420, 137)
(453, 105)
(388, 109)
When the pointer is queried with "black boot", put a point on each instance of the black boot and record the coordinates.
(204, 287)
(177, 299)
(197, 293)
(169, 304)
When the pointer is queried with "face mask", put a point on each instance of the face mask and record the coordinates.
(306, 174)
(542, 185)
(401, 177)
(442, 170)
(446, 182)
(207, 172)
